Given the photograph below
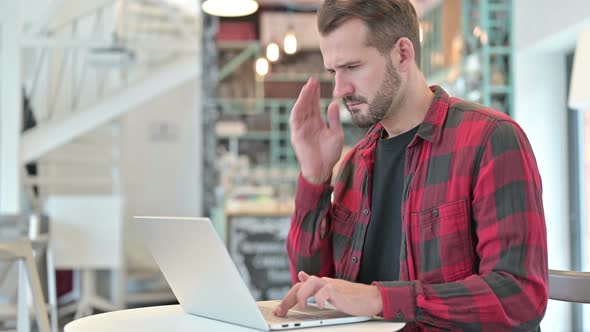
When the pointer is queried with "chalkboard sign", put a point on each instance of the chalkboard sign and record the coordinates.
(257, 247)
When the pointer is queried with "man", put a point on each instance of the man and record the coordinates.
(437, 217)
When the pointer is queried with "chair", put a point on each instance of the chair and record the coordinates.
(93, 224)
(21, 251)
(21, 237)
(569, 286)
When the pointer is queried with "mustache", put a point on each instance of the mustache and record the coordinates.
(354, 99)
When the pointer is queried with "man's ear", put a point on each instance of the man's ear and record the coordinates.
(402, 54)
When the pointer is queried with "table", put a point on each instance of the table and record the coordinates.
(173, 318)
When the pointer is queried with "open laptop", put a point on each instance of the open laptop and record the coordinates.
(206, 282)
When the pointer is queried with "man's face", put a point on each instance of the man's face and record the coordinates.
(365, 79)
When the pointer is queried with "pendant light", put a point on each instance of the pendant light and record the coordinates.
(262, 67)
(230, 8)
(290, 42)
(273, 52)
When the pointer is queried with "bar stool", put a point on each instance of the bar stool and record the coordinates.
(33, 230)
(20, 250)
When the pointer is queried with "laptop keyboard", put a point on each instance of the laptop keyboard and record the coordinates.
(309, 313)
(290, 317)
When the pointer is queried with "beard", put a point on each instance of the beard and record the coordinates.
(381, 103)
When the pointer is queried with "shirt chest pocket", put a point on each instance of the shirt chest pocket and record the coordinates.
(342, 226)
(442, 244)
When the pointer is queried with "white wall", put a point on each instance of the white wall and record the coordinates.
(540, 110)
(540, 107)
(162, 175)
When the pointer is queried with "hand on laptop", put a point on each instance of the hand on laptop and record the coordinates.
(351, 298)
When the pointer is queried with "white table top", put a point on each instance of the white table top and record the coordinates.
(173, 318)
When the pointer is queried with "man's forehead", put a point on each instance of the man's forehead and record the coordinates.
(345, 43)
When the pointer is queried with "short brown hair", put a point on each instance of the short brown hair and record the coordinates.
(387, 21)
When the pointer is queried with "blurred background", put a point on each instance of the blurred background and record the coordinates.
(116, 108)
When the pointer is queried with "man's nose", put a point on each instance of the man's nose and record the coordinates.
(342, 87)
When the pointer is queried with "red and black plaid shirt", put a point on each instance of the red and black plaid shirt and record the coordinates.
(474, 242)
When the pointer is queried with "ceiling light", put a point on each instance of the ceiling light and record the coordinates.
(262, 66)
(272, 52)
(230, 8)
(290, 43)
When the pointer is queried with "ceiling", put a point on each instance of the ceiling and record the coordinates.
(421, 5)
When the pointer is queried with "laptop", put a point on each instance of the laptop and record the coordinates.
(204, 279)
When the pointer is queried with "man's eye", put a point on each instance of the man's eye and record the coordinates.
(352, 66)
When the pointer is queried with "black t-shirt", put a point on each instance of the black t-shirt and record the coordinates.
(380, 259)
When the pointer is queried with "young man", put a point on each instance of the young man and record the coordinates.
(437, 217)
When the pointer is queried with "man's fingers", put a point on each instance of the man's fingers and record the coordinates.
(288, 302)
(308, 289)
(323, 295)
(307, 104)
(302, 276)
(315, 98)
(334, 118)
(303, 100)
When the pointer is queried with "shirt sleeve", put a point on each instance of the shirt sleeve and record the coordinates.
(308, 243)
(510, 290)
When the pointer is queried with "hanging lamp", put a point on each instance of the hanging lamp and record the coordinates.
(230, 8)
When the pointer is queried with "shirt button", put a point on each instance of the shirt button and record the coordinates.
(435, 213)
(366, 211)
(400, 315)
(354, 259)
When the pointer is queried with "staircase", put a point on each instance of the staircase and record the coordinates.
(86, 64)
